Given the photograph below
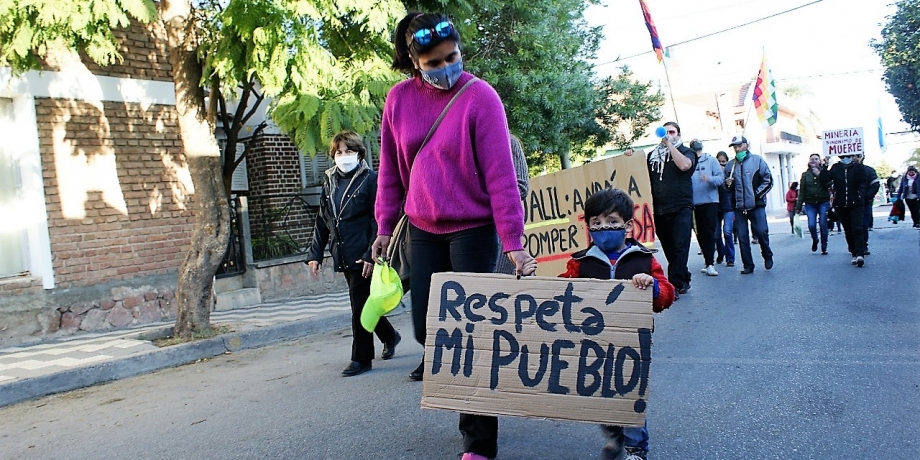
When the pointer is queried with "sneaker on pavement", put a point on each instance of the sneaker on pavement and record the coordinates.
(860, 261)
(705, 269)
(636, 453)
(472, 456)
(768, 263)
(814, 245)
(711, 271)
(853, 261)
(747, 271)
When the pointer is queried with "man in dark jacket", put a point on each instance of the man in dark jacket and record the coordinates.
(851, 185)
(874, 185)
(749, 180)
(670, 169)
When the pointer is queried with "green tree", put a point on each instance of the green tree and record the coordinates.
(536, 54)
(898, 50)
(882, 169)
(913, 159)
(329, 57)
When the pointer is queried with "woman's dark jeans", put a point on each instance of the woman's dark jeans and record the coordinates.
(474, 251)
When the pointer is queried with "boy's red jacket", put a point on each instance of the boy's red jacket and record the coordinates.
(593, 263)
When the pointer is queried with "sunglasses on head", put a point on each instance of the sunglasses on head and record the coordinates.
(442, 29)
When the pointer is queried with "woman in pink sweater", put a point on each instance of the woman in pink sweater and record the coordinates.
(462, 191)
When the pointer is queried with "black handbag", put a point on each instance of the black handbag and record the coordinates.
(398, 253)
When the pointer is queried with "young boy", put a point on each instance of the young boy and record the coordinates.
(611, 255)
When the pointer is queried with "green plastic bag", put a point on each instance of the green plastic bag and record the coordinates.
(386, 292)
(797, 226)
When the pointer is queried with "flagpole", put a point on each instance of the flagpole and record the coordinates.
(750, 105)
(670, 90)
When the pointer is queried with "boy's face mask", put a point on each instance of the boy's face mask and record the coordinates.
(609, 239)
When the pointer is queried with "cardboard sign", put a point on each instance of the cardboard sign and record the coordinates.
(556, 348)
(844, 142)
(554, 216)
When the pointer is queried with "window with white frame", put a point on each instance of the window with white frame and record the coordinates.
(13, 243)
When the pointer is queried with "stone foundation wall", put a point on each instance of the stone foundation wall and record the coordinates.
(291, 278)
(126, 307)
(116, 304)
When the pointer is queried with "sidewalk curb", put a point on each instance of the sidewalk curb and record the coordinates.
(173, 356)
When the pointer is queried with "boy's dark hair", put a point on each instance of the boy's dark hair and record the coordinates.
(405, 49)
(609, 200)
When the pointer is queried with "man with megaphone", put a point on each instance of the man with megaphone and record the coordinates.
(670, 169)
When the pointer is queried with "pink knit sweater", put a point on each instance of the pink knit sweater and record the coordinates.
(448, 191)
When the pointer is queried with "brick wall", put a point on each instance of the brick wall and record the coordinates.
(274, 177)
(150, 235)
(143, 49)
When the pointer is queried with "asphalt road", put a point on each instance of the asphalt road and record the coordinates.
(815, 359)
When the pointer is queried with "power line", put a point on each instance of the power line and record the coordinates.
(808, 77)
(713, 33)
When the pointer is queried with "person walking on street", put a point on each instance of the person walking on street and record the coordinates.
(345, 222)
(455, 182)
(748, 178)
(725, 240)
(891, 185)
(909, 191)
(707, 177)
(874, 186)
(815, 200)
(850, 184)
(791, 196)
(670, 167)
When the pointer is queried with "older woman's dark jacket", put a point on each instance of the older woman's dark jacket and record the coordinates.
(347, 224)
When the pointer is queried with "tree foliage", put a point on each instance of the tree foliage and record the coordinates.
(536, 54)
(899, 49)
(28, 27)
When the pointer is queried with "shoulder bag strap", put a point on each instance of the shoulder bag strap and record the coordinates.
(441, 117)
(438, 122)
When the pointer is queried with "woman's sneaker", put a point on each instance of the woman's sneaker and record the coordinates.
(636, 453)
(711, 271)
(472, 456)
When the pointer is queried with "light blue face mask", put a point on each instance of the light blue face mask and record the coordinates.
(608, 240)
(846, 160)
(445, 77)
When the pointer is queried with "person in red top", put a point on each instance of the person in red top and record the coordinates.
(611, 255)
(792, 195)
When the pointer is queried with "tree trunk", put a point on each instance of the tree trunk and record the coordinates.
(212, 225)
(565, 161)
